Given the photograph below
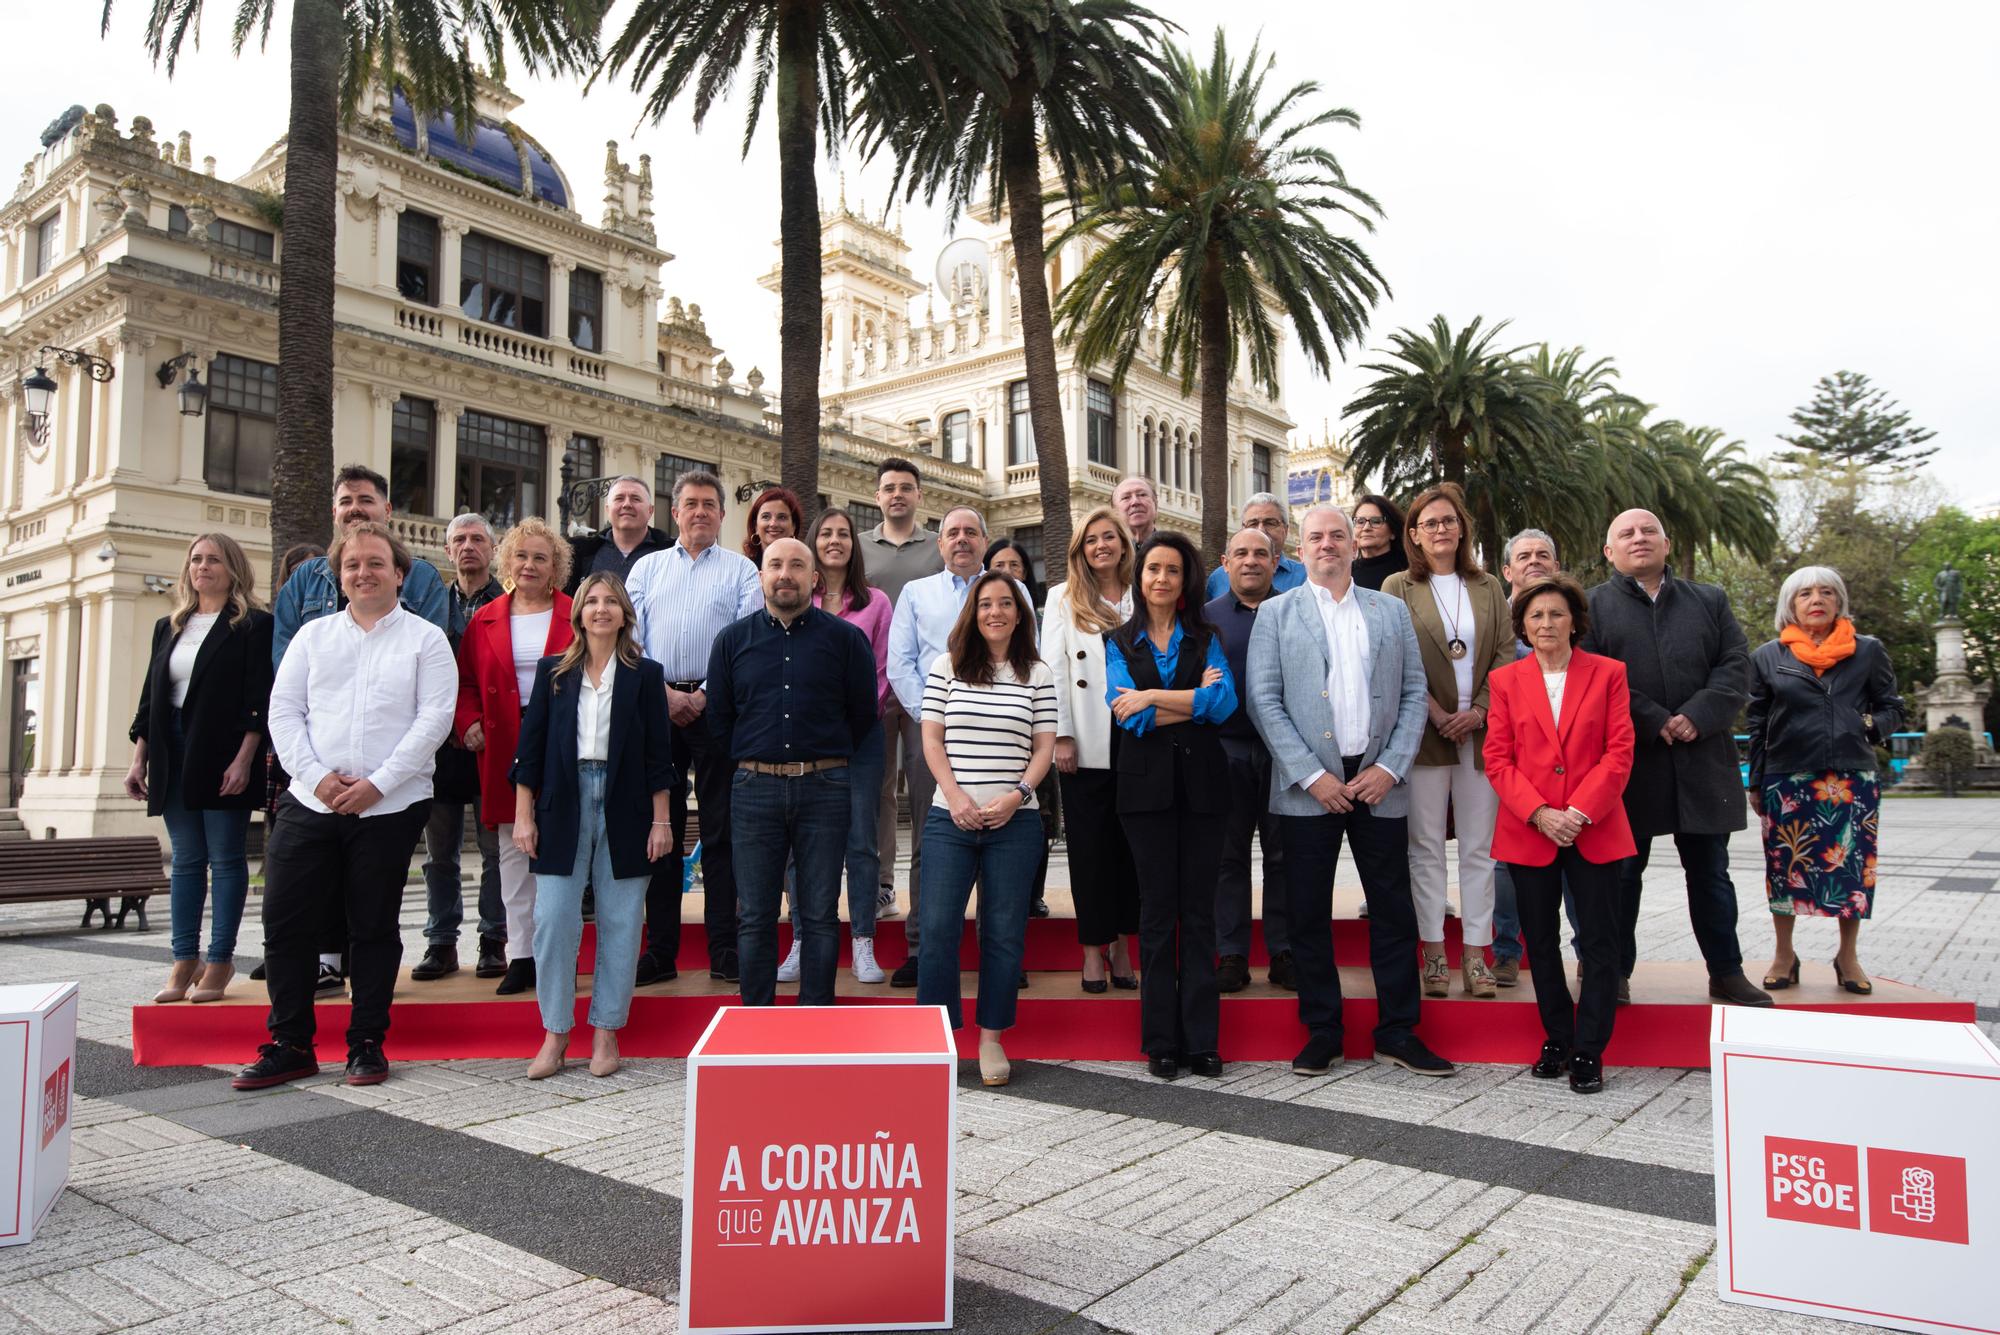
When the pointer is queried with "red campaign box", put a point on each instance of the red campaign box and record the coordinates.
(37, 1084)
(819, 1177)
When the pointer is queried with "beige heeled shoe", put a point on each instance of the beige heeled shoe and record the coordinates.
(550, 1060)
(994, 1068)
(214, 982)
(1437, 972)
(604, 1059)
(178, 981)
(1474, 973)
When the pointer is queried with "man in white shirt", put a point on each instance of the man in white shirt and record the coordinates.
(359, 706)
(684, 596)
(1337, 691)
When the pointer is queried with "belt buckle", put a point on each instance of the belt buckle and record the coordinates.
(793, 769)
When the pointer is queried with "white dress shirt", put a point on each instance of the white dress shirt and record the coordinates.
(593, 712)
(374, 704)
(926, 611)
(1346, 671)
(684, 601)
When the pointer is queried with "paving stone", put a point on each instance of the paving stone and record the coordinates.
(138, 1134)
(362, 1228)
(265, 1312)
(1060, 1259)
(131, 1290)
(647, 1158)
(588, 1305)
(78, 1232)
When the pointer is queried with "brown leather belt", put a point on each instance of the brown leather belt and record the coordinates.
(792, 769)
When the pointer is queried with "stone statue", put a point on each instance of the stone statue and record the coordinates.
(1950, 586)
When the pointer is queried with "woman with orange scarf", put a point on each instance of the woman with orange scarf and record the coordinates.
(1821, 700)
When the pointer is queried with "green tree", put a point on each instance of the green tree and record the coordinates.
(1224, 233)
(1082, 85)
(1712, 494)
(1973, 545)
(814, 55)
(1850, 421)
(338, 47)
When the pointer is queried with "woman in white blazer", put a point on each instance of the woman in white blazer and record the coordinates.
(1094, 601)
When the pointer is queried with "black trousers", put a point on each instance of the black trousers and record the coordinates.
(712, 773)
(1381, 847)
(1101, 876)
(1594, 887)
(358, 864)
(1249, 813)
(1176, 854)
(1711, 897)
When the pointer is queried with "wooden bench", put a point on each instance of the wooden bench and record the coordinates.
(129, 868)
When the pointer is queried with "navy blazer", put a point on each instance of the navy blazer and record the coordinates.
(639, 763)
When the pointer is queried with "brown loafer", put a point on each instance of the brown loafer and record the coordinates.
(1507, 973)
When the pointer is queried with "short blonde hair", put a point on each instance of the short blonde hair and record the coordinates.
(534, 526)
(367, 529)
(1807, 577)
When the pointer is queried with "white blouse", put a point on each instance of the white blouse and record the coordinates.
(180, 663)
(531, 637)
(593, 713)
(1553, 683)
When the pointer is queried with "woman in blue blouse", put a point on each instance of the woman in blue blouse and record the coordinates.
(1168, 685)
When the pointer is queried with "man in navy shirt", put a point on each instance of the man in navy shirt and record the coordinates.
(791, 690)
(1248, 563)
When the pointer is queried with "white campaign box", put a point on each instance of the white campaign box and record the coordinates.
(37, 1065)
(1857, 1167)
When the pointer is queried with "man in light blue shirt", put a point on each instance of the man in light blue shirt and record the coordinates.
(684, 596)
(1265, 513)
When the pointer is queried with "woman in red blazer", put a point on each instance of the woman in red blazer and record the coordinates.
(496, 673)
(1558, 753)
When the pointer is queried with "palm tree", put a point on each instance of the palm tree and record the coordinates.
(1083, 84)
(1453, 408)
(816, 53)
(1715, 497)
(338, 47)
(1223, 233)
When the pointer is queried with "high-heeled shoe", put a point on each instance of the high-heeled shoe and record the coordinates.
(1779, 982)
(1096, 985)
(994, 1068)
(214, 982)
(1858, 987)
(604, 1058)
(550, 1060)
(179, 978)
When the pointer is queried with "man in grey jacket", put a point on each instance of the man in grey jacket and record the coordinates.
(1689, 669)
(1336, 690)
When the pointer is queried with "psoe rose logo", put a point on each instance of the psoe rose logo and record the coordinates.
(55, 1103)
(1812, 1182)
(1917, 1195)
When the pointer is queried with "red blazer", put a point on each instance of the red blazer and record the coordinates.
(489, 695)
(1583, 763)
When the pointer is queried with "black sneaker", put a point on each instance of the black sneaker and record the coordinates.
(653, 970)
(1283, 974)
(257, 974)
(906, 973)
(1738, 990)
(520, 978)
(1586, 1073)
(438, 962)
(1232, 973)
(1552, 1063)
(723, 964)
(365, 1063)
(276, 1063)
(330, 979)
(492, 958)
(1414, 1057)
(1321, 1054)
(1039, 909)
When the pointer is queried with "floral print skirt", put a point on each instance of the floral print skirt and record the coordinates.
(1819, 843)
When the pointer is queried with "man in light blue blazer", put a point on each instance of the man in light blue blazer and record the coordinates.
(1336, 690)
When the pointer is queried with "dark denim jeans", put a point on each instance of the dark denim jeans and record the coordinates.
(1711, 900)
(806, 820)
(444, 843)
(864, 858)
(1003, 861)
(208, 863)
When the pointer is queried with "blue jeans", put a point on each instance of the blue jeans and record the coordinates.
(806, 819)
(208, 851)
(864, 858)
(621, 913)
(444, 841)
(1003, 861)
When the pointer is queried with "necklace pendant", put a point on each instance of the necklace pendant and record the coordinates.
(1456, 648)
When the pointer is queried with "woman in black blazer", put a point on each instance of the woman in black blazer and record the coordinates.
(594, 780)
(198, 752)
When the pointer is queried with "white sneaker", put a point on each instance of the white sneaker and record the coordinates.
(885, 903)
(788, 972)
(866, 970)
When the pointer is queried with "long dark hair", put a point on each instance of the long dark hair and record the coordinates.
(753, 546)
(970, 660)
(1034, 586)
(1194, 622)
(855, 590)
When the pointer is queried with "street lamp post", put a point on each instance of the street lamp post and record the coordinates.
(193, 394)
(39, 389)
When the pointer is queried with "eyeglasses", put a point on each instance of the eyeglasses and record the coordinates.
(1447, 525)
(1273, 524)
(1371, 523)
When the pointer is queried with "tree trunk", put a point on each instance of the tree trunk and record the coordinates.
(1451, 453)
(1214, 410)
(1021, 172)
(302, 466)
(798, 220)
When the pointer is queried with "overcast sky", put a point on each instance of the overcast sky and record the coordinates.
(1730, 199)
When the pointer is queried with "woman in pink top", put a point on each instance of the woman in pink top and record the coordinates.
(843, 590)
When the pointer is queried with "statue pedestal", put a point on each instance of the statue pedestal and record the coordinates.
(1954, 700)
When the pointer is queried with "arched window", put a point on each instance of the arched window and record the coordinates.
(1194, 462)
(1180, 455)
(1146, 448)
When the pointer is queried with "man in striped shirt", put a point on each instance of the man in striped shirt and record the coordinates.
(684, 597)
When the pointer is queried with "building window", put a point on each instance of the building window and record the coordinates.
(1260, 468)
(503, 285)
(47, 240)
(866, 514)
(1101, 423)
(1180, 456)
(500, 463)
(413, 456)
(586, 310)
(1146, 448)
(240, 426)
(1194, 462)
(252, 241)
(955, 438)
(1020, 428)
(1030, 539)
(417, 257)
(665, 470)
(583, 460)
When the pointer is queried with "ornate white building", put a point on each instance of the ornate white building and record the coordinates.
(948, 379)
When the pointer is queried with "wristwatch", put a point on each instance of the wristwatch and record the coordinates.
(1025, 790)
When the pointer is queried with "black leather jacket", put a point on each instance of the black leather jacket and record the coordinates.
(1801, 723)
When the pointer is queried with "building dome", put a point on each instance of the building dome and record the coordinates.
(499, 154)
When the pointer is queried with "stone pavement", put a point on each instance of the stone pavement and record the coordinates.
(459, 1197)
